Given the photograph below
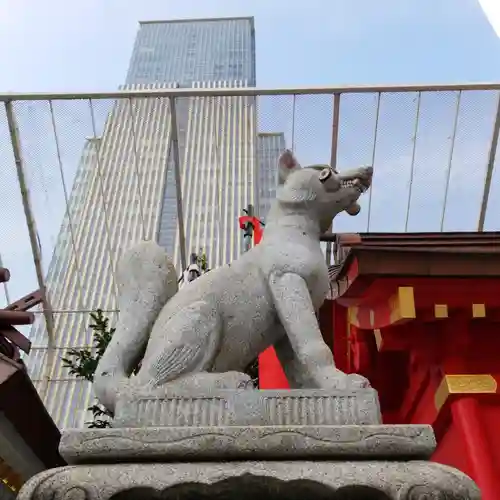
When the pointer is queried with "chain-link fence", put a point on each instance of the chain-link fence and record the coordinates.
(83, 177)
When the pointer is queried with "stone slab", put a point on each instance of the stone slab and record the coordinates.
(293, 480)
(248, 407)
(286, 442)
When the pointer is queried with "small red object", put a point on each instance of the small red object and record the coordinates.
(244, 220)
(271, 374)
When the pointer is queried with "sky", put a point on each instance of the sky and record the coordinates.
(85, 45)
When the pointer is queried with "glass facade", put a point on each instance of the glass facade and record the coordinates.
(217, 144)
(269, 147)
(194, 50)
(216, 135)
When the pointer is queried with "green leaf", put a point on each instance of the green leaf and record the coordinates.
(83, 362)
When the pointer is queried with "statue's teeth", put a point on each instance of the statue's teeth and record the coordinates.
(349, 183)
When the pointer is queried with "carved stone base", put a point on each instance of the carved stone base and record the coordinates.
(224, 407)
(248, 444)
(249, 480)
(251, 443)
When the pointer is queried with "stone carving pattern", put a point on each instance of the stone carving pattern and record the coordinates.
(399, 481)
(224, 408)
(250, 442)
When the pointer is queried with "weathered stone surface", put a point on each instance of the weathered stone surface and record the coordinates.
(254, 443)
(295, 480)
(223, 320)
(247, 407)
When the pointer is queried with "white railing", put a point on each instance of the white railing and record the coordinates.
(83, 176)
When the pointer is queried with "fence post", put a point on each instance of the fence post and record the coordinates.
(333, 158)
(35, 248)
(489, 168)
(178, 187)
(248, 234)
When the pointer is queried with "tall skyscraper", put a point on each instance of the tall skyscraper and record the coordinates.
(131, 163)
(217, 143)
(269, 147)
(216, 135)
(194, 50)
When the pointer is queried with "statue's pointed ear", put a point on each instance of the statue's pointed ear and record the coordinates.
(287, 164)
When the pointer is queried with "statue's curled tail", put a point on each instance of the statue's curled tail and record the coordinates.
(146, 280)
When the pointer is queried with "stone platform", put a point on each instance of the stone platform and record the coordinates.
(223, 408)
(293, 445)
(367, 442)
(288, 480)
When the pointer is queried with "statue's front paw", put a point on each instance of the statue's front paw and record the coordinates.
(332, 378)
(233, 380)
(356, 381)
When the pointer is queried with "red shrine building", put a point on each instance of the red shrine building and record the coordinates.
(419, 316)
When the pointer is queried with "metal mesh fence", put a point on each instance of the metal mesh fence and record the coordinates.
(101, 174)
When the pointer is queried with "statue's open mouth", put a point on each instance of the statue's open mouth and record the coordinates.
(359, 182)
(355, 183)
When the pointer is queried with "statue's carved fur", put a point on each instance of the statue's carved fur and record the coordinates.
(205, 334)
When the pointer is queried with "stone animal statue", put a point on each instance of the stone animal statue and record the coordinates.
(205, 334)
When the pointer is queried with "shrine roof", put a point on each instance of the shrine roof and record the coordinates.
(437, 254)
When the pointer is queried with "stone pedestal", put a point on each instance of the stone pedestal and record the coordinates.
(224, 407)
(244, 444)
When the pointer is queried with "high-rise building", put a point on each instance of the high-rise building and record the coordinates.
(194, 50)
(269, 147)
(216, 135)
(217, 143)
(131, 163)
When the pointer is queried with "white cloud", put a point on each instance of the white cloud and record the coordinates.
(491, 9)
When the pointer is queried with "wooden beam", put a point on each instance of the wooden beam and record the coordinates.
(464, 384)
(8, 318)
(27, 302)
(17, 338)
(478, 311)
(440, 311)
(396, 309)
(4, 275)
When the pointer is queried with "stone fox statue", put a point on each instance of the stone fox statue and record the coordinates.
(206, 333)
